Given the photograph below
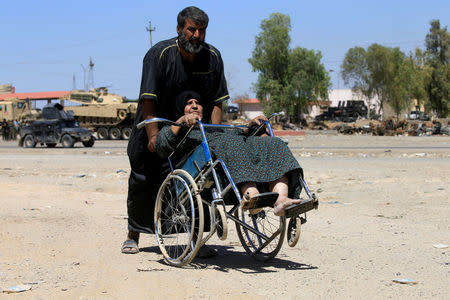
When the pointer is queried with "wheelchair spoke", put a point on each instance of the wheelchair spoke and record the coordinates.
(266, 223)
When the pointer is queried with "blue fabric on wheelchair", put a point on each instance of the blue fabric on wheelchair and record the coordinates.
(195, 158)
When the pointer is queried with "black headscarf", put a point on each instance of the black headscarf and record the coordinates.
(181, 100)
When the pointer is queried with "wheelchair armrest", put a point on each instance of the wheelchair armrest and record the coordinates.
(257, 130)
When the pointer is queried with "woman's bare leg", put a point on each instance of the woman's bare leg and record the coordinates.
(280, 186)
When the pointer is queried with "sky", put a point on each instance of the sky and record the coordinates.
(45, 44)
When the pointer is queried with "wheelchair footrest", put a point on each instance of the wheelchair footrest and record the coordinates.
(259, 201)
(302, 207)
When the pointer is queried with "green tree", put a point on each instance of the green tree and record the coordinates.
(399, 89)
(438, 49)
(379, 71)
(308, 80)
(419, 77)
(288, 78)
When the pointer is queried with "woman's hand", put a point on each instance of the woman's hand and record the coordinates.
(189, 119)
(256, 121)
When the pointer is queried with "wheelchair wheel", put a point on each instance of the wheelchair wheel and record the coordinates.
(221, 219)
(179, 218)
(293, 231)
(265, 222)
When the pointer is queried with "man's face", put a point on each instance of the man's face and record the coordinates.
(192, 36)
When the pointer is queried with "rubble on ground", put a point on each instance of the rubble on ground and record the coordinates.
(387, 128)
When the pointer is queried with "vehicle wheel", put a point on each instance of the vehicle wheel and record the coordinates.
(28, 142)
(89, 143)
(51, 145)
(267, 223)
(121, 114)
(114, 133)
(179, 218)
(102, 133)
(126, 133)
(67, 141)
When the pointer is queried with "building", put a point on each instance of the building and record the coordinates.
(249, 108)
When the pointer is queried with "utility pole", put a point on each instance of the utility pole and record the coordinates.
(90, 83)
(150, 29)
(84, 77)
(74, 82)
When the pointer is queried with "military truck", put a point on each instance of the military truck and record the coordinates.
(18, 110)
(346, 111)
(57, 126)
(110, 115)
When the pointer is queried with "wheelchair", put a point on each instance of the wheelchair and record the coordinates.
(199, 193)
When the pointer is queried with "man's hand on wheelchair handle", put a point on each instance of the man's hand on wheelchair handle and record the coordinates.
(151, 144)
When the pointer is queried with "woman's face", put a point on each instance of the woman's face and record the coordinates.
(193, 107)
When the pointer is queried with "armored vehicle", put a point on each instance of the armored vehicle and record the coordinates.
(18, 110)
(57, 126)
(346, 111)
(110, 115)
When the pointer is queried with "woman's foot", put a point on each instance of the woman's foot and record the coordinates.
(282, 203)
(248, 191)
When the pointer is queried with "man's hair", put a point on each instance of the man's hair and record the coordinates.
(193, 13)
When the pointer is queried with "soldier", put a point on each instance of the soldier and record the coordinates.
(5, 130)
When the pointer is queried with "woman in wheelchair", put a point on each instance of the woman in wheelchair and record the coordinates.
(256, 163)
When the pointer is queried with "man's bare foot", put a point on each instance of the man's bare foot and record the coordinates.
(282, 203)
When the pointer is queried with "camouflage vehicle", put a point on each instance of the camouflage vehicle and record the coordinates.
(57, 126)
(19, 110)
(110, 115)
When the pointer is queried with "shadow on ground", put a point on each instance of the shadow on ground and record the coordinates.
(229, 258)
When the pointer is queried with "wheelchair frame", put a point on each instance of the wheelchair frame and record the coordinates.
(179, 208)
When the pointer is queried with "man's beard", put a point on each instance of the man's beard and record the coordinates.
(190, 45)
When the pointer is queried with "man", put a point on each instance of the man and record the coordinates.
(5, 130)
(170, 67)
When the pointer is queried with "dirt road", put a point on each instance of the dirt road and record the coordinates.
(384, 208)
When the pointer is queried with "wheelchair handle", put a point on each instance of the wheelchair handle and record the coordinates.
(156, 120)
(169, 122)
(281, 113)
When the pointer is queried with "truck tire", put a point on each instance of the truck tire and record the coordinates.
(126, 132)
(114, 133)
(89, 143)
(28, 142)
(102, 133)
(67, 141)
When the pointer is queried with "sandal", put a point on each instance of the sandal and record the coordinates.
(130, 247)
